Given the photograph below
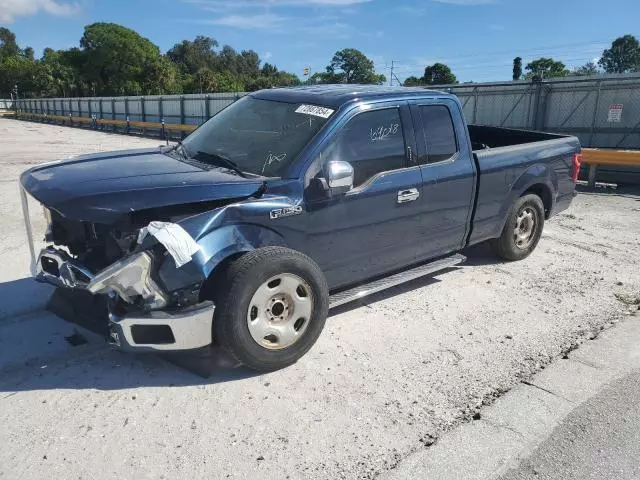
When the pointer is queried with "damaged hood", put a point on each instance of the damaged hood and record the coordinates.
(103, 187)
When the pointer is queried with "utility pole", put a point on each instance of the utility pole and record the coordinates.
(391, 76)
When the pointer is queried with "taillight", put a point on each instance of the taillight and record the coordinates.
(575, 168)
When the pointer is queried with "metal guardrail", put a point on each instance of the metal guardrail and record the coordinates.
(163, 129)
(596, 157)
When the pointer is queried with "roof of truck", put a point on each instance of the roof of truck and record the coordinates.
(337, 95)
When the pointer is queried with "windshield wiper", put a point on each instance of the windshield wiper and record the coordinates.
(219, 160)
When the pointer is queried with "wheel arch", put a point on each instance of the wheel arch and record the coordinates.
(223, 245)
(544, 192)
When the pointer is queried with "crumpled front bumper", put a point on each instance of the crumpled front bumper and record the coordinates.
(157, 330)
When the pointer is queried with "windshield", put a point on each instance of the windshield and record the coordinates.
(261, 137)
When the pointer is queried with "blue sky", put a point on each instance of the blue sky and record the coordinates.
(477, 38)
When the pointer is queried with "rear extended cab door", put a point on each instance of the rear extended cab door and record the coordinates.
(448, 175)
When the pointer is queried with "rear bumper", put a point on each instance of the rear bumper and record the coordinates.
(163, 331)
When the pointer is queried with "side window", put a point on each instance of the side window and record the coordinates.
(439, 133)
(372, 142)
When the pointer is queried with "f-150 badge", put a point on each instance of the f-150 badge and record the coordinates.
(285, 212)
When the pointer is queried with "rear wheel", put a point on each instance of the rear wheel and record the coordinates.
(523, 229)
(271, 307)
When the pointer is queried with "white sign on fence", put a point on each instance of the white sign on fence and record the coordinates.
(615, 113)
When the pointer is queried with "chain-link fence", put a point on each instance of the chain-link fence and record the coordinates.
(172, 109)
(604, 111)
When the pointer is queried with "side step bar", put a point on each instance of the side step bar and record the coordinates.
(361, 291)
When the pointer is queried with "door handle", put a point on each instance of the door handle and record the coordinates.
(409, 195)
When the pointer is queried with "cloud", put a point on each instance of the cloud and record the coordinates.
(10, 9)
(267, 55)
(265, 21)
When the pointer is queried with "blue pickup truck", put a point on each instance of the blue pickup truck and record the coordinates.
(283, 205)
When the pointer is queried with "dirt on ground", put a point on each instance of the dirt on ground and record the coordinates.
(387, 377)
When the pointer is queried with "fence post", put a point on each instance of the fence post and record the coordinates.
(207, 108)
(593, 170)
(89, 109)
(475, 105)
(126, 109)
(594, 120)
(160, 108)
(540, 113)
(79, 107)
(113, 108)
(100, 105)
(143, 113)
(181, 109)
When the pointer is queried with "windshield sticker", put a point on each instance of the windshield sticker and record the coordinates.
(382, 132)
(315, 111)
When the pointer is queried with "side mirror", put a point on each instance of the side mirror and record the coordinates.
(339, 177)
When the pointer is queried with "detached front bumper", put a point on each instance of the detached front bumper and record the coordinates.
(161, 330)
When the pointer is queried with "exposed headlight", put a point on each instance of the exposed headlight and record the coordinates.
(130, 278)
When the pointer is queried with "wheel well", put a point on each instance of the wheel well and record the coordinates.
(211, 284)
(544, 193)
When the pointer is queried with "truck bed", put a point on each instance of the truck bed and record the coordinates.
(510, 161)
(483, 137)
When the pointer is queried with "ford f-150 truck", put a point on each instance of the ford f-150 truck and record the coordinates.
(284, 204)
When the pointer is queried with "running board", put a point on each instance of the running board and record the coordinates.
(361, 291)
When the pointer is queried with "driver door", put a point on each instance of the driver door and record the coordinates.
(373, 228)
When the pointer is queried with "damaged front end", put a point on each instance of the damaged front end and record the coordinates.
(153, 288)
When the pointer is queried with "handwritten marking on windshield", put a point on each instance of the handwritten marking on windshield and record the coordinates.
(271, 158)
(382, 132)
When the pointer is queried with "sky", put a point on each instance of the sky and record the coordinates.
(478, 39)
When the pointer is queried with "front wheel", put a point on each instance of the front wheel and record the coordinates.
(271, 307)
(523, 229)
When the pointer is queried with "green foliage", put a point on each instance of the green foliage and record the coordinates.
(517, 68)
(412, 82)
(114, 60)
(543, 68)
(350, 66)
(8, 45)
(438, 74)
(623, 56)
(589, 68)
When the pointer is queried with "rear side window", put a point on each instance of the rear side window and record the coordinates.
(439, 133)
(372, 142)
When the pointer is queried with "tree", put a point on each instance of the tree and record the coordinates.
(352, 66)
(589, 68)
(118, 60)
(543, 68)
(8, 45)
(269, 70)
(623, 56)
(192, 56)
(29, 53)
(412, 82)
(517, 68)
(438, 74)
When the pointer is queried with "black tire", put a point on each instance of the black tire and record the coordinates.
(241, 279)
(506, 246)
